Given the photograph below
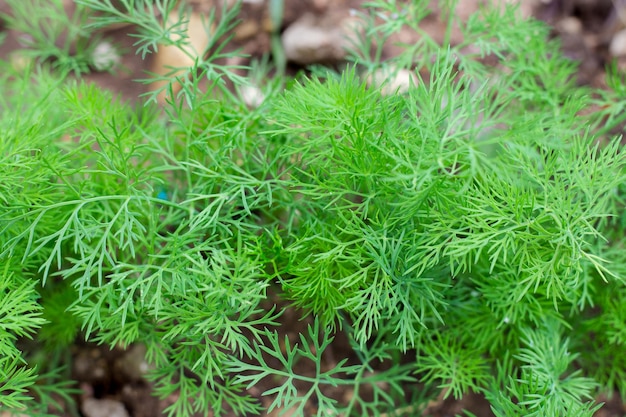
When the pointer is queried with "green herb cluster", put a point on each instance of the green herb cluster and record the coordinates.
(466, 235)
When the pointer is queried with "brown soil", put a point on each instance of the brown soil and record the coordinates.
(585, 29)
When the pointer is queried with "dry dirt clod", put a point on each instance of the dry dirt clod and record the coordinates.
(132, 364)
(90, 365)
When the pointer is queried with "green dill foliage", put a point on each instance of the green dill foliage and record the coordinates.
(465, 233)
(29, 160)
(51, 31)
(546, 386)
(460, 214)
(157, 23)
(21, 316)
(311, 347)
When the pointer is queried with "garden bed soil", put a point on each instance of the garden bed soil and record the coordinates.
(586, 30)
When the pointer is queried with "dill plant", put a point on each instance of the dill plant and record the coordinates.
(52, 31)
(466, 233)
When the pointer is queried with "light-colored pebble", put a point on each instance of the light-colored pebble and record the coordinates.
(392, 80)
(313, 39)
(133, 362)
(252, 96)
(92, 407)
(169, 56)
(246, 30)
(618, 44)
(20, 61)
(570, 25)
(13, 414)
(105, 56)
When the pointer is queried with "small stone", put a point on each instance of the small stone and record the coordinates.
(353, 27)
(169, 56)
(618, 44)
(133, 362)
(525, 8)
(321, 4)
(92, 407)
(89, 365)
(570, 25)
(392, 81)
(313, 39)
(13, 414)
(267, 25)
(20, 61)
(105, 56)
(246, 30)
(252, 96)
